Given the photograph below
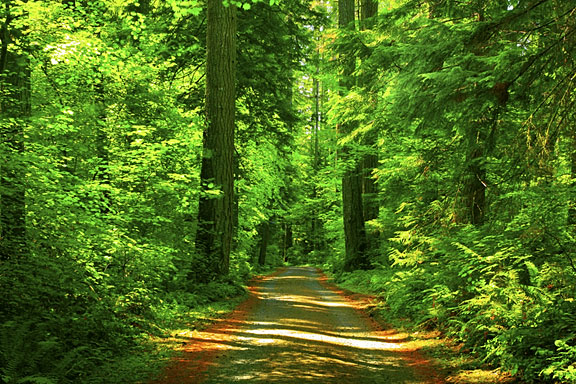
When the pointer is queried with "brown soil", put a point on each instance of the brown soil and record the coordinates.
(296, 327)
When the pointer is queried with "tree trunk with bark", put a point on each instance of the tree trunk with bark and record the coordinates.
(368, 10)
(287, 241)
(215, 211)
(354, 230)
(14, 111)
(474, 187)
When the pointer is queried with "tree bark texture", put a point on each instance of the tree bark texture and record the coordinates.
(368, 10)
(14, 111)
(215, 212)
(370, 189)
(346, 14)
(354, 230)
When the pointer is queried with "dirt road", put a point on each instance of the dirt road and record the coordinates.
(298, 330)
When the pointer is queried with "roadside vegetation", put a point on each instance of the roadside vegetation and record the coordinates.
(155, 154)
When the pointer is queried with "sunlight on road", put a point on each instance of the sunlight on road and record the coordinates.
(298, 331)
(334, 340)
(306, 300)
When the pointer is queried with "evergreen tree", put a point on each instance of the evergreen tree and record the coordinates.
(352, 207)
(214, 236)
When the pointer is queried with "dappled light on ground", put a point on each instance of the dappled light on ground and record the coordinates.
(299, 331)
(339, 341)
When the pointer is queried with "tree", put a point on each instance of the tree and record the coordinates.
(215, 212)
(476, 125)
(354, 230)
(368, 12)
(273, 47)
(14, 111)
(264, 234)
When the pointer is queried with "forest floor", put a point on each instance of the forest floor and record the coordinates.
(296, 327)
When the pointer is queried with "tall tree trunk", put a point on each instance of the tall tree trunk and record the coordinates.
(264, 232)
(14, 111)
(354, 231)
(474, 178)
(317, 117)
(369, 187)
(215, 213)
(368, 10)
(315, 224)
(287, 241)
(572, 209)
(474, 188)
(236, 204)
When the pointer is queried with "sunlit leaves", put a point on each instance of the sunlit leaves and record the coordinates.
(183, 9)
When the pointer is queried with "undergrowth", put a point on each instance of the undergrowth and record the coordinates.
(52, 337)
(502, 305)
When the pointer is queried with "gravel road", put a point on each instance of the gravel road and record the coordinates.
(301, 331)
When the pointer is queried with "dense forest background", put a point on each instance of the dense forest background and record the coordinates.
(155, 153)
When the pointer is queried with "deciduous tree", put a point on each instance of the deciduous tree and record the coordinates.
(14, 113)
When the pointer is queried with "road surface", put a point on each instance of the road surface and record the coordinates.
(299, 330)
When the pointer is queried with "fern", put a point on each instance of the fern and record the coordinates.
(533, 272)
(36, 380)
(15, 351)
(24, 353)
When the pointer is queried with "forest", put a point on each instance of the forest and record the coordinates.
(155, 154)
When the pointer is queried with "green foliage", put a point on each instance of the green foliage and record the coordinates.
(500, 304)
(467, 105)
(111, 171)
(476, 230)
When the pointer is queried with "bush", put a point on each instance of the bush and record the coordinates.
(507, 306)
